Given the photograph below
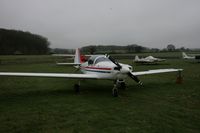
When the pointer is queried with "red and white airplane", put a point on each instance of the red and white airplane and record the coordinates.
(98, 67)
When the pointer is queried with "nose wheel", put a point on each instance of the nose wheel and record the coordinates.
(118, 84)
(115, 91)
(121, 84)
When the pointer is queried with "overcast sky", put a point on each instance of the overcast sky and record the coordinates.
(77, 23)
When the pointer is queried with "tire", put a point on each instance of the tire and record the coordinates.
(115, 92)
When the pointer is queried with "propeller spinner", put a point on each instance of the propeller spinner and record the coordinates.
(120, 67)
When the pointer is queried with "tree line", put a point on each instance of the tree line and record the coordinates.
(132, 48)
(92, 49)
(20, 42)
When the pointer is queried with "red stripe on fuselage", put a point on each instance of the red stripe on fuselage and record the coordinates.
(97, 68)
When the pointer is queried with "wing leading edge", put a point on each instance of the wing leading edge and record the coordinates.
(156, 71)
(82, 76)
(51, 75)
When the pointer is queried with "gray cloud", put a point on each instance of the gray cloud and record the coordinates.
(76, 23)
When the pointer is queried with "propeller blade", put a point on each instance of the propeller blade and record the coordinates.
(114, 61)
(135, 78)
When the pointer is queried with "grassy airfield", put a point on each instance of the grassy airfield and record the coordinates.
(50, 104)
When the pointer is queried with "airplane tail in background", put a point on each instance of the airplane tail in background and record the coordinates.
(184, 55)
(136, 58)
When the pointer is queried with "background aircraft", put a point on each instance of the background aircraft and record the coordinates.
(195, 57)
(185, 56)
(148, 59)
(98, 67)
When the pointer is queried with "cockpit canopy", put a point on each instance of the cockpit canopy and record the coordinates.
(96, 59)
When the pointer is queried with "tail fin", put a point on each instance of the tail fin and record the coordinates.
(77, 59)
(184, 55)
(137, 58)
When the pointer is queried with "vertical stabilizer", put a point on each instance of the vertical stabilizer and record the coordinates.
(184, 55)
(137, 58)
(77, 59)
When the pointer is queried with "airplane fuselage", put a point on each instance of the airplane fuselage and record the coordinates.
(106, 70)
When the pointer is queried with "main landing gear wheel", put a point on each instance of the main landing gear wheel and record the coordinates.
(115, 91)
(77, 88)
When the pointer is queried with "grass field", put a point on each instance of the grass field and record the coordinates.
(50, 104)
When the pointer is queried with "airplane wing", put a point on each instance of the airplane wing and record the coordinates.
(156, 71)
(64, 55)
(51, 75)
(70, 64)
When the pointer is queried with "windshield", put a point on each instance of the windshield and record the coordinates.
(100, 59)
(96, 59)
(92, 59)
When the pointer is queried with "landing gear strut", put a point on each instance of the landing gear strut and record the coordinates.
(77, 88)
(118, 84)
(121, 84)
(115, 91)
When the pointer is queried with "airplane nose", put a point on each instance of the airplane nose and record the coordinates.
(125, 69)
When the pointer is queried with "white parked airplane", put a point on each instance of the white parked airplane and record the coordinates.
(98, 67)
(185, 56)
(195, 58)
(148, 59)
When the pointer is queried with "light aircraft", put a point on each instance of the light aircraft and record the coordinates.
(148, 59)
(98, 67)
(187, 57)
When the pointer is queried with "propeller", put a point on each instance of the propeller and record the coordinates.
(119, 67)
(135, 78)
(115, 62)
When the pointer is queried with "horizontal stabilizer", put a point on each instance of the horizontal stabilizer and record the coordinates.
(63, 55)
(68, 55)
(69, 64)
